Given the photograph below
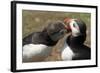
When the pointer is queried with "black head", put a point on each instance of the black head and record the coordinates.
(82, 26)
(56, 30)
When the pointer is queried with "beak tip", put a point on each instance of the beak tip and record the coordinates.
(67, 20)
(68, 29)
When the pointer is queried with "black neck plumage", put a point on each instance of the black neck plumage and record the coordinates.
(75, 42)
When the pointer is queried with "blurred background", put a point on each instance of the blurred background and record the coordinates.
(34, 21)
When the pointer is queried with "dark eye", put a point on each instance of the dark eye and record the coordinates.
(74, 25)
(62, 31)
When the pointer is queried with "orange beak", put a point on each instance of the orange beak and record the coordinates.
(67, 22)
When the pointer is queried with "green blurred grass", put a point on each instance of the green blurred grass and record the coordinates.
(33, 21)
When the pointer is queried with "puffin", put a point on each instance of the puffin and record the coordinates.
(38, 45)
(74, 48)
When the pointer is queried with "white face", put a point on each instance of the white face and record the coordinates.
(75, 28)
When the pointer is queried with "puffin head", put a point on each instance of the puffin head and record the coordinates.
(56, 30)
(76, 26)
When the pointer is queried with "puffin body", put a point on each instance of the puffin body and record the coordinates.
(74, 48)
(38, 45)
(67, 53)
(35, 52)
(79, 51)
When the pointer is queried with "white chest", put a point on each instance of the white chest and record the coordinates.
(31, 50)
(67, 53)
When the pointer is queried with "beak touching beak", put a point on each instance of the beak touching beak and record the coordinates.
(67, 24)
(68, 28)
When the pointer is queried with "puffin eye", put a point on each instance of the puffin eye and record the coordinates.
(74, 25)
(62, 31)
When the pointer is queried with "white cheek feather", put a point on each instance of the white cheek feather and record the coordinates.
(75, 31)
(67, 53)
(31, 50)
